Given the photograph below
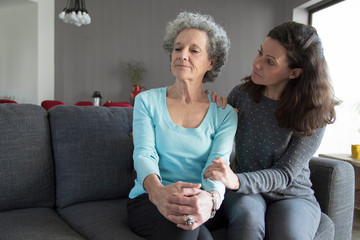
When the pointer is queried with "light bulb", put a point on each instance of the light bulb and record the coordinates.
(87, 18)
(66, 18)
(62, 15)
(83, 18)
(79, 15)
(73, 16)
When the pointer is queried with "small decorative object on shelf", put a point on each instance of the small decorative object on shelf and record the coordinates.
(8, 97)
(135, 71)
(75, 13)
(96, 98)
(136, 90)
(355, 151)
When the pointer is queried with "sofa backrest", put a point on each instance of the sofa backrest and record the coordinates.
(93, 149)
(26, 163)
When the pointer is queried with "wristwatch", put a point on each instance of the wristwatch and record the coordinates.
(213, 212)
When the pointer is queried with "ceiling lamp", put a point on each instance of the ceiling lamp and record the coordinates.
(75, 13)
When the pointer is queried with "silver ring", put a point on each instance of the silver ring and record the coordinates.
(189, 221)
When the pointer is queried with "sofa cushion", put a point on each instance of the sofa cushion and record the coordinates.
(35, 224)
(100, 220)
(26, 163)
(326, 229)
(93, 153)
(333, 183)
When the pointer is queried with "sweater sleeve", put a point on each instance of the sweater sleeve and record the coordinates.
(145, 156)
(285, 170)
(221, 147)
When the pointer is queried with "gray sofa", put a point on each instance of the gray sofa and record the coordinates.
(65, 174)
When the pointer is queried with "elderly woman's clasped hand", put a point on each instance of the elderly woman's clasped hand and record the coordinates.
(190, 203)
(183, 203)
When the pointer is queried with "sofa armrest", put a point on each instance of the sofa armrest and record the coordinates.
(334, 186)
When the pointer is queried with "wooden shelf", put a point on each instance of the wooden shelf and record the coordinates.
(342, 157)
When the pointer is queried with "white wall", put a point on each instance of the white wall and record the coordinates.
(27, 50)
(18, 52)
(46, 52)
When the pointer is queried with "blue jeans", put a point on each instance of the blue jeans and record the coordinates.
(252, 217)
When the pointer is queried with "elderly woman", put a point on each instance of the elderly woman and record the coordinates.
(283, 108)
(178, 132)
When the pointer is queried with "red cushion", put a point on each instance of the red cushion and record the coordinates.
(7, 101)
(47, 104)
(84, 103)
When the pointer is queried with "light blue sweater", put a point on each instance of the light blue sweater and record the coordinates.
(176, 153)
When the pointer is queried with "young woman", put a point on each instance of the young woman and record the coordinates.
(283, 108)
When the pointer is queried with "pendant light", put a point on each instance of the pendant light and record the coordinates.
(75, 13)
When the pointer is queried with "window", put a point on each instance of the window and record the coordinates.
(338, 27)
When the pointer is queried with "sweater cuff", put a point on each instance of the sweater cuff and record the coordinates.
(242, 180)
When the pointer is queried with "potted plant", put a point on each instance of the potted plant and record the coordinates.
(135, 71)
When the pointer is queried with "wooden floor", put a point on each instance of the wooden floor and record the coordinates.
(356, 225)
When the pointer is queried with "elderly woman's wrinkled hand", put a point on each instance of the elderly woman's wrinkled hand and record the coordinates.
(188, 206)
(161, 198)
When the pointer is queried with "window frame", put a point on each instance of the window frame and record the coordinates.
(320, 6)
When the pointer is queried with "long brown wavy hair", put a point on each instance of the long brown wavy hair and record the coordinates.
(307, 102)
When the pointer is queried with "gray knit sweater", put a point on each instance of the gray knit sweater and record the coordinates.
(270, 160)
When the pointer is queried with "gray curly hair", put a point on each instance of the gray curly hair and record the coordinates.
(218, 44)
